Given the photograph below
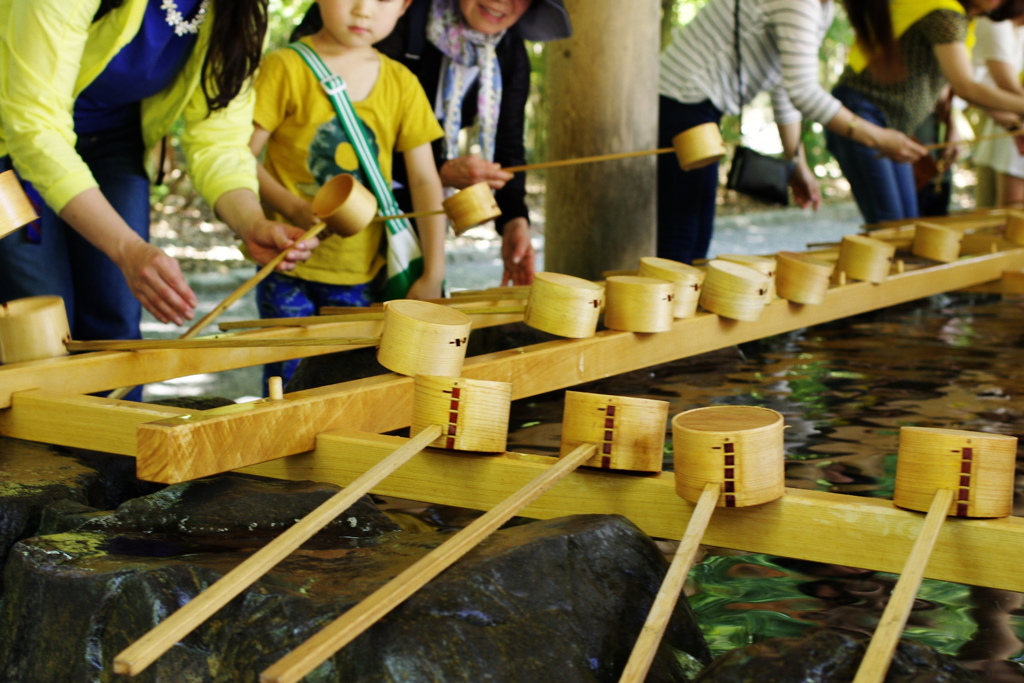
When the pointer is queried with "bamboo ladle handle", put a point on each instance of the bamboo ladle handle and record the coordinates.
(143, 652)
(355, 317)
(310, 654)
(586, 160)
(241, 291)
(665, 602)
(980, 138)
(887, 634)
(226, 342)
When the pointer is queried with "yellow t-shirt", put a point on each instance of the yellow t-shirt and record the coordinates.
(308, 146)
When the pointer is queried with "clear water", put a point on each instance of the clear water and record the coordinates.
(845, 389)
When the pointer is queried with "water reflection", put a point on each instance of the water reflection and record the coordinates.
(845, 389)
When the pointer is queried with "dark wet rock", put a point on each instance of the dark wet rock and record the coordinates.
(31, 477)
(558, 600)
(116, 482)
(195, 402)
(830, 656)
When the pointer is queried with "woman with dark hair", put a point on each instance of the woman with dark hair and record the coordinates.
(86, 88)
(909, 50)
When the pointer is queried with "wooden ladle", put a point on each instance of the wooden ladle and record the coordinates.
(945, 472)
(15, 208)
(452, 413)
(725, 456)
(633, 432)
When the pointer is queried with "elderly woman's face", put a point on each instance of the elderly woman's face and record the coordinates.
(492, 16)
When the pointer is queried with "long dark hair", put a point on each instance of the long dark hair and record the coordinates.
(236, 46)
(872, 23)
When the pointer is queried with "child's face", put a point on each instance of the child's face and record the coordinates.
(493, 16)
(360, 23)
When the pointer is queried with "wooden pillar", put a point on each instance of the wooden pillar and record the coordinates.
(602, 98)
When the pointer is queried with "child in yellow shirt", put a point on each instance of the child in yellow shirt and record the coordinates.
(306, 145)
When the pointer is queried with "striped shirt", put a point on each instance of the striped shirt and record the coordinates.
(779, 43)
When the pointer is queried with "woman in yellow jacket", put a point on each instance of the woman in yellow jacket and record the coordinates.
(86, 87)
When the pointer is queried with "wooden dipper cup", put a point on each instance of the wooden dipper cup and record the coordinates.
(639, 304)
(15, 208)
(1014, 231)
(936, 242)
(864, 258)
(474, 412)
(420, 338)
(945, 472)
(564, 305)
(725, 456)
(802, 279)
(484, 424)
(629, 431)
(762, 264)
(471, 207)
(699, 146)
(734, 291)
(345, 205)
(293, 666)
(33, 328)
(688, 281)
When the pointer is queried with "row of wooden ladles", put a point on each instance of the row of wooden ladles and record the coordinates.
(724, 456)
(645, 301)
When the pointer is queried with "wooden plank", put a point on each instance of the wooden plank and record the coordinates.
(875, 534)
(102, 371)
(92, 422)
(217, 440)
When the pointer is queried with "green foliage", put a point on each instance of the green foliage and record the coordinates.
(284, 15)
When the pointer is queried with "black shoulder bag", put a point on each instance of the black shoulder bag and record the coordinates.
(754, 174)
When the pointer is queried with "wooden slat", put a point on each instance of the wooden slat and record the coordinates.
(101, 371)
(217, 440)
(875, 534)
(99, 424)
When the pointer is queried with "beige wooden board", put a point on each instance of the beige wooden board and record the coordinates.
(99, 424)
(221, 439)
(861, 532)
(103, 371)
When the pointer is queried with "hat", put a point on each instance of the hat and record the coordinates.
(545, 20)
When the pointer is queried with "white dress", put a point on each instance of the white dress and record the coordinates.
(998, 41)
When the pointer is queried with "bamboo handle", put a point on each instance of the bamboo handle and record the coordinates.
(411, 214)
(310, 654)
(214, 343)
(355, 317)
(242, 290)
(665, 602)
(143, 652)
(887, 634)
(980, 138)
(246, 286)
(586, 160)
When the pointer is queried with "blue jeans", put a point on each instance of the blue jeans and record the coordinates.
(686, 199)
(284, 296)
(63, 263)
(883, 189)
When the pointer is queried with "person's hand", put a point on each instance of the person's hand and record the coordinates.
(264, 239)
(899, 147)
(806, 191)
(462, 172)
(157, 282)
(517, 253)
(302, 216)
(1005, 119)
(424, 288)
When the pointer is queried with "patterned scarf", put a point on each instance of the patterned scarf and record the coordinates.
(465, 49)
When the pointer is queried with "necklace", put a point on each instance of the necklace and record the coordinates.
(178, 23)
